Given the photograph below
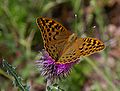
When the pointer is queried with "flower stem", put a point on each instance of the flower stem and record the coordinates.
(48, 84)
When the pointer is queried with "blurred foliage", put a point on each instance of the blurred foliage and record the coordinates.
(20, 41)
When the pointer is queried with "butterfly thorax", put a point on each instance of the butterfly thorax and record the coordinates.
(70, 41)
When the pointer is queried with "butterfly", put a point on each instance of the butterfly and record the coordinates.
(64, 46)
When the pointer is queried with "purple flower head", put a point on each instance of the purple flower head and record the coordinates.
(52, 70)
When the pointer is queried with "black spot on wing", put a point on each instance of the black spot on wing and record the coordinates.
(50, 39)
(50, 34)
(94, 42)
(53, 29)
(48, 29)
(80, 48)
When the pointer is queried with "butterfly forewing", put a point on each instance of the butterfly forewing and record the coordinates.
(54, 36)
(81, 47)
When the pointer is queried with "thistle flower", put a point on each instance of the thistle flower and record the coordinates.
(52, 70)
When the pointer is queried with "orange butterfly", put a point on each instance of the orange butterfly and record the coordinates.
(64, 46)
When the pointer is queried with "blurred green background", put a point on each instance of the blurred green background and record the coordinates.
(20, 41)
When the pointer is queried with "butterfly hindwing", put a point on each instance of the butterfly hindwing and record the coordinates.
(81, 47)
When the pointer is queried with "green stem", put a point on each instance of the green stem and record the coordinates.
(17, 79)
